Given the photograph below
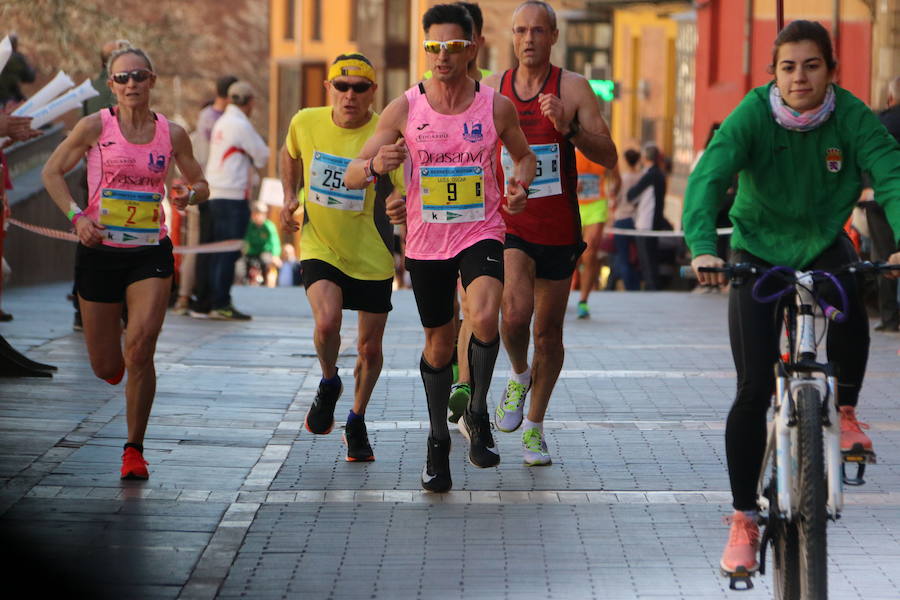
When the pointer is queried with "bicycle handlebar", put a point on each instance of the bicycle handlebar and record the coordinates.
(789, 276)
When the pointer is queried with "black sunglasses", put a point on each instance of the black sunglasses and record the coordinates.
(138, 75)
(359, 88)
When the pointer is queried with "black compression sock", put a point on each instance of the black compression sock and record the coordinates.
(482, 358)
(138, 447)
(437, 392)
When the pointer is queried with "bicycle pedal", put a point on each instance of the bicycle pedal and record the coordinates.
(860, 471)
(739, 580)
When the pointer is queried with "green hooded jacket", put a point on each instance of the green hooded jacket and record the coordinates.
(795, 189)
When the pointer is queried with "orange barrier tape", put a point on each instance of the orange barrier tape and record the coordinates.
(223, 246)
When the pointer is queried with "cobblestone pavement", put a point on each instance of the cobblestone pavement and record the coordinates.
(243, 502)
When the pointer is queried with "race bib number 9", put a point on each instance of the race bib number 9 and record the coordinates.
(130, 217)
(452, 194)
(546, 181)
(326, 187)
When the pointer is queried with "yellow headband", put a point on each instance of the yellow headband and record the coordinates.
(351, 67)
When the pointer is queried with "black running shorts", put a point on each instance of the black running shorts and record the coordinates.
(372, 296)
(103, 273)
(434, 281)
(550, 262)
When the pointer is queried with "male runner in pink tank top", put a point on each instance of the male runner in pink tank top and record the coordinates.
(451, 125)
(559, 111)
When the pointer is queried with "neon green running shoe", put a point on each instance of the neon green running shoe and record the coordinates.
(535, 453)
(459, 400)
(508, 416)
(583, 311)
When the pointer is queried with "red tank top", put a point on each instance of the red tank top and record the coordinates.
(551, 217)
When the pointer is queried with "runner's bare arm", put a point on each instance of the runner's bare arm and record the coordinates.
(183, 153)
(385, 152)
(291, 180)
(72, 149)
(593, 138)
(506, 120)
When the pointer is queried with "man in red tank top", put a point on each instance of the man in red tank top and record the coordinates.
(558, 112)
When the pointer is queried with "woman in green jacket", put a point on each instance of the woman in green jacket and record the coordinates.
(799, 146)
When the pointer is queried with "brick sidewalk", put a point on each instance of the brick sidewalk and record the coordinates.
(242, 502)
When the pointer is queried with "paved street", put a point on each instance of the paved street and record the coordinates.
(243, 502)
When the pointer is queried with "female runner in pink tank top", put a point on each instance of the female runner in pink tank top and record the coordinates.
(124, 256)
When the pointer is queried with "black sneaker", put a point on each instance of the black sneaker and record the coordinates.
(436, 474)
(357, 440)
(477, 429)
(320, 416)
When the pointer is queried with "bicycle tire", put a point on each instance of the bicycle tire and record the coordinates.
(785, 550)
(812, 520)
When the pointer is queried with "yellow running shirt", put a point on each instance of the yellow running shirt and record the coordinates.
(341, 227)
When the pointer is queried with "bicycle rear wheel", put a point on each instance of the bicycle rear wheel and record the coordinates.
(812, 519)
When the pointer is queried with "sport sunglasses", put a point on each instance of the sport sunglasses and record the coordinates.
(138, 75)
(360, 88)
(451, 46)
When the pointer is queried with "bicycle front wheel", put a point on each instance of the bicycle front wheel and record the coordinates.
(812, 489)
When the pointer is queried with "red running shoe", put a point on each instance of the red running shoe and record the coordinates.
(853, 439)
(133, 465)
(743, 544)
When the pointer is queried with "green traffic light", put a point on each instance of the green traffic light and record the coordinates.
(605, 88)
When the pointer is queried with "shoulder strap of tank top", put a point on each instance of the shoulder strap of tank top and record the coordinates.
(422, 88)
(477, 87)
(112, 111)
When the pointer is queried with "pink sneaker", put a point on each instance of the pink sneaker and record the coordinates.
(852, 436)
(743, 544)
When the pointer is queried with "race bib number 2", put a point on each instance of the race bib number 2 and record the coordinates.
(326, 174)
(452, 194)
(130, 217)
(546, 181)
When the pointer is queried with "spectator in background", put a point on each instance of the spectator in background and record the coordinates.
(195, 273)
(289, 274)
(883, 240)
(262, 248)
(101, 83)
(649, 193)
(16, 71)
(623, 218)
(236, 151)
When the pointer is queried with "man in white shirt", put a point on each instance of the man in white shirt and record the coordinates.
(236, 151)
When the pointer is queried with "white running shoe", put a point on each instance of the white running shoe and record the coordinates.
(535, 452)
(508, 416)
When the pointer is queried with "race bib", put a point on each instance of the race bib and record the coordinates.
(452, 194)
(547, 181)
(590, 187)
(326, 186)
(130, 217)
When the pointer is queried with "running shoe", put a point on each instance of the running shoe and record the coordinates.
(197, 314)
(229, 313)
(133, 465)
(357, 440)
(460, 393)
(508, 416)
(535, 452)
(320, 416)
(852, 437)
(583, 311)
(743, 544)
(436, 473)
(477, 429)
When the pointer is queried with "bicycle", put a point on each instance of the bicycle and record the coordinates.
(805, 487)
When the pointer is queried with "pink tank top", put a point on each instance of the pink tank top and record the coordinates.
(126, 184)
(452, 199)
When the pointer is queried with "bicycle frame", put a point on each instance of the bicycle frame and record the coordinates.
(781, 443)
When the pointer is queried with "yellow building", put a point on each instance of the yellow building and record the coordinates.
(644, 70)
